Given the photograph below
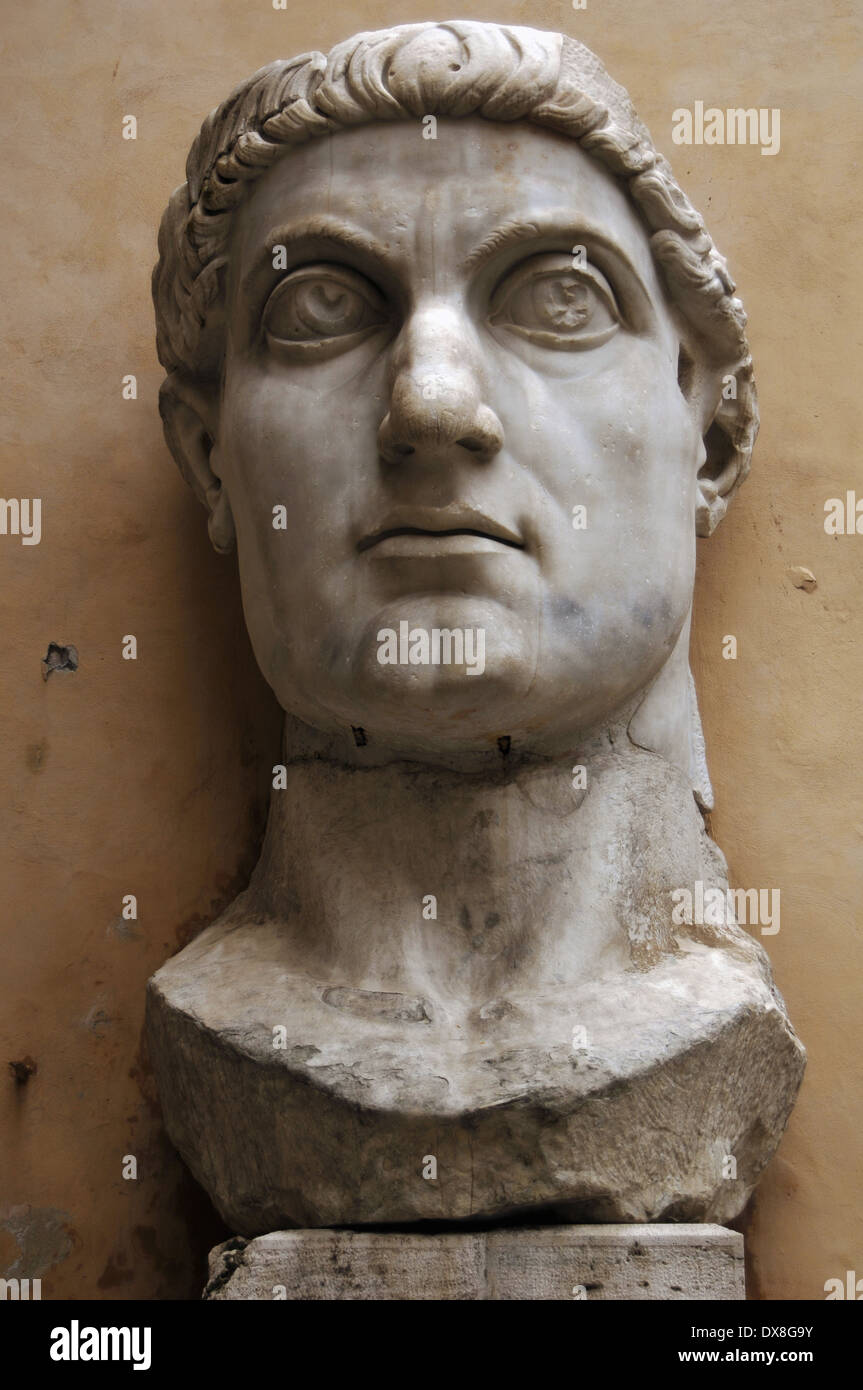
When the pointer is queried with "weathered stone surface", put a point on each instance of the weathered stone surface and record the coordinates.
(674, 1070)
(463, 403)
(672, 1262)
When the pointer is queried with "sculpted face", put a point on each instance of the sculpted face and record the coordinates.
(470, 426)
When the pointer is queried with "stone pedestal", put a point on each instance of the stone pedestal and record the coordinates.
(643, 1262)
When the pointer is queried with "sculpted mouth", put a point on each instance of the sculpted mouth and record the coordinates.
(438, 525)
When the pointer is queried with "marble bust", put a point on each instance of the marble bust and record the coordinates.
(455, 365)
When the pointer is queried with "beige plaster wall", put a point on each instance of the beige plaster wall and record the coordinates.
(150, 777)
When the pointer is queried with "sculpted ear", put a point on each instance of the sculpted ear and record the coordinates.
(724, 407)
(190, 414)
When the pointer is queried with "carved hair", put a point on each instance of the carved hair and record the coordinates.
(460, 68)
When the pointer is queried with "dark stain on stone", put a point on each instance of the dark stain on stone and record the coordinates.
(562, 608)
(59, 658)
(23, 1070)
(359, 736)
(645, 616)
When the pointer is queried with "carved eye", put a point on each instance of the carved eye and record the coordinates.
(323, 306)
(555, 304)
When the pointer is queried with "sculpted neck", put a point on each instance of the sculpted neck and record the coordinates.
(470, 887)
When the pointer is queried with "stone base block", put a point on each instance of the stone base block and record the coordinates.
(663, 1261)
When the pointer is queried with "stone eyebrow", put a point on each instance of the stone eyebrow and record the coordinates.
(559, 224)
(322, 226)
(503, 235)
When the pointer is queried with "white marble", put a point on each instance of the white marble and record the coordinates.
(462, 405)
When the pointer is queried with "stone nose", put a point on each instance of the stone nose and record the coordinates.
(437, 412)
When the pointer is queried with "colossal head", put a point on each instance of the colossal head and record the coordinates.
(449, 351)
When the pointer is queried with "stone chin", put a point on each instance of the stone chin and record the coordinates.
(498, 689)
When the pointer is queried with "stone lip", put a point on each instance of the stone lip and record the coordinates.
(668, 1262)
(667, 1108)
